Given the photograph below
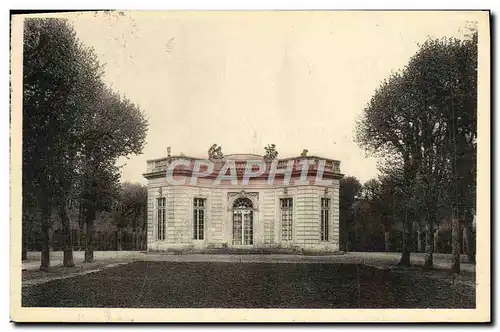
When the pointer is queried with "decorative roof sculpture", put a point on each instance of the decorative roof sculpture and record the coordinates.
(215, 152)
(271, 152)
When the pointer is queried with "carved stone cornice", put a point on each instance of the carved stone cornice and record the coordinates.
(232, 196)
(242, 193)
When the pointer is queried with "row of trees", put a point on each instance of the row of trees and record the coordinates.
(74, 130)
(370, 220)
(422, 122)
(121, 227)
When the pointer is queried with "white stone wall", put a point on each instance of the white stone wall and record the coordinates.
(268, 207)
(267, 220)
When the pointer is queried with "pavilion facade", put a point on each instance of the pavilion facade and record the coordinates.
(243, 201)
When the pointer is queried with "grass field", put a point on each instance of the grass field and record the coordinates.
(248, 285)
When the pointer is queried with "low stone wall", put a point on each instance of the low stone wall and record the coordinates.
(255, 249)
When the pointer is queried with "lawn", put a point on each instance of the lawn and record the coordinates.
(248, 285)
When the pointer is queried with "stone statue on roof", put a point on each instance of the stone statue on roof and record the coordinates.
(271, 152)
(215, 152)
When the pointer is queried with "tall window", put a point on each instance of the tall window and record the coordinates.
(161, 218)
(286, 218)
(325, 219)
(199, 218)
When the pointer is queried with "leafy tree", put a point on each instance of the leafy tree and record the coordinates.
(389, 196)
(376, 208)
(367, 216)
(371, 190)
(443, 74)
(74, 129)
(350, 188)
(57, 76)
(118, 128)
(30, 216)
(424, 117)
(129, 209)
(383, 196)
(387, 128)
(130, 205)
(461, 104)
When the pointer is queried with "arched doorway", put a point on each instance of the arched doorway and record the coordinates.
(243, 221)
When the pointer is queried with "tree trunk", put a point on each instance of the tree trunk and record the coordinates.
(119, 240)
(45, 227)
(24, 253)
(429, 245)
(387, 235)
(89, 248)
(455, 244)
(66, 230)
(363, 239)
(405, 250)
(405, 255)
(436, 240)
(419, 240)
(469, 248)
(342, 234)
(463, 244)
(356, 239)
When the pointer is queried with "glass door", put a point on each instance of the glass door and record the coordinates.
(248, 228)
(242, 222)
(237, 228)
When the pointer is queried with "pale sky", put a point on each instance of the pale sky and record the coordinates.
(247, 79)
